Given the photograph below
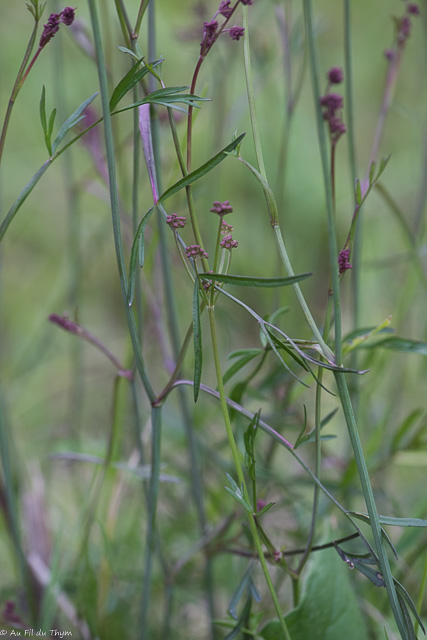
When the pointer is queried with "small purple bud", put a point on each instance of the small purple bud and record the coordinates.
(343, 261)
(67, 16)
(225, 9)
(246, 1)
(413, 9)
(389, 54)
(335, 75)
(236, 33)
(332, 100)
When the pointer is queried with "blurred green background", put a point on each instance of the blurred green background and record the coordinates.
(58, 256)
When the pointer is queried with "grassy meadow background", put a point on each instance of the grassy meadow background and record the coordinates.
(60, 396)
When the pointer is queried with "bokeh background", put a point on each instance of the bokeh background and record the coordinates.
(58, 256)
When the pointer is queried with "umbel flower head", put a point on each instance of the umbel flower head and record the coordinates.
(195, 251)
(175, 222)
(343, 261)
(228, 243)
(221, 208)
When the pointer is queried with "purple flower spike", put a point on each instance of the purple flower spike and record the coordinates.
(236, 33)
(335, 75)
(221, 208)
(49, 30)
(343, 261)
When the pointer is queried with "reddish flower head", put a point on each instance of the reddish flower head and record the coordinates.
(335, 75)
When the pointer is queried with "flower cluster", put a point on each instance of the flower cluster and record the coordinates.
(175, 222)
(332, 104)
(343, 261)
(236, 33)
(195, 251)
(221, 208)
(211, 29)
(226, 228)
(403, 27)
(228, 243)
(225, 9)
(51, 27)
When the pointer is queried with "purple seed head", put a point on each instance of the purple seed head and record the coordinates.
(236, 33)
(221, 208)
(335, 75)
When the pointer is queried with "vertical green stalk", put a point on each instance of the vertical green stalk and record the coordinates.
(118, 241)
(241, 478)
(269, 195)
(196, 479)
(339, 377)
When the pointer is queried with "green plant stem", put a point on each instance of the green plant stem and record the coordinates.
(239, 470)
(118, 241)
(339, 377)
(20, 78)
(269, 195)
(421, 594)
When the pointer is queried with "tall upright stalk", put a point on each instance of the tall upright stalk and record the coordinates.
(340, 377)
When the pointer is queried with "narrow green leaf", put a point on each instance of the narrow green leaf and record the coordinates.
(165, 100)
(71, 121)
(239, 364)
(402, 344)
(253, 281)
(201, 171)
(237, 595)
(237, 495)
(265, 509)
(43, 111)
(197, 340)
(399, 440)
(408, 600)
(133, 76)
(394, 522)
(129, 52)
(358, 193)
(137, 250)
(50, 125)
(242, 352)
(372, 169)
(22, 197)
(328, 418)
